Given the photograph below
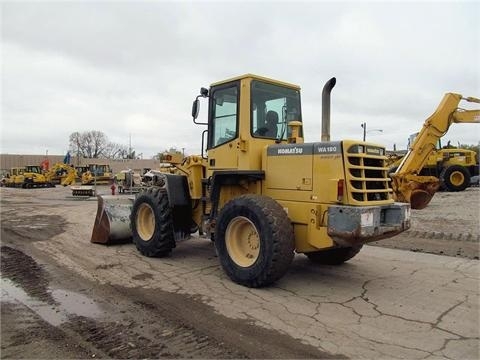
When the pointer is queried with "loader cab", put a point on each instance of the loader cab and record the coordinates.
(245, 114)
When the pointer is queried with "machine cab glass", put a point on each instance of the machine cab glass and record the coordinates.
(272, 108)
(224, 107)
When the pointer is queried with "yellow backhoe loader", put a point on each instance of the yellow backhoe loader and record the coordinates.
(258, 191)
(408, 182)
(453, 166)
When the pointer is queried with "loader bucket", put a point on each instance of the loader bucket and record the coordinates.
(112, 223)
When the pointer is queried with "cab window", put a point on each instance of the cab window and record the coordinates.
(272, 108)
(224, 115)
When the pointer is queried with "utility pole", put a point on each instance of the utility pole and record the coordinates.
(364, 126)
(130, 146)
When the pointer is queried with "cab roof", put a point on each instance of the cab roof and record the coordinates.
(257, 77)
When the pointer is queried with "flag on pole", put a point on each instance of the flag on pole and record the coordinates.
(66, 159)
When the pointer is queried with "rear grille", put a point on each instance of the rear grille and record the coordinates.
(367, 174)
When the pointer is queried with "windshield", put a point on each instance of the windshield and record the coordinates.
(33, 169)
(273, 107)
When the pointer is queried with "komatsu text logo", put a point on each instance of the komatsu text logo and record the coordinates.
(290, 151)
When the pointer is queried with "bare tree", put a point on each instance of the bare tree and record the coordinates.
(94, 144)
(115, 151)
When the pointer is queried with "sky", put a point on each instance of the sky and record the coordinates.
(132, 69)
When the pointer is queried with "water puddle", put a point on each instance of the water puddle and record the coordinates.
(67, 303)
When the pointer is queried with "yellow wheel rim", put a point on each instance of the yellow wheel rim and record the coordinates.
(242, 241)
(457, 178)
(145, 222)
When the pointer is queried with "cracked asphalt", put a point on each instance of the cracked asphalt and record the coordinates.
(384, 303)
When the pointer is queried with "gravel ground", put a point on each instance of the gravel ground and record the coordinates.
(39, 322)
(449, 225)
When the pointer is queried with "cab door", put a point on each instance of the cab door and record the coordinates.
(223, 127)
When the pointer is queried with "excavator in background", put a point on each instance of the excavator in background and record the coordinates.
(259, 191)
(27, 177)
(409, 183)
(60, 173)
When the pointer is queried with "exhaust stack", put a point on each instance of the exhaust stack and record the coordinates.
(326, 108)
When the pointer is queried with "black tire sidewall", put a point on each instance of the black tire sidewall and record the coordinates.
(162, 241)
(445, 178)
(262, 272)
(244, 274)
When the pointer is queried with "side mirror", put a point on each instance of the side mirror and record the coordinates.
(196, 105)
(195, 108)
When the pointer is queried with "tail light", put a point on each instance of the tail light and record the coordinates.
(340, 188)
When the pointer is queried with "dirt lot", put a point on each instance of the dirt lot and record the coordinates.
(450, 225)
(63, 297)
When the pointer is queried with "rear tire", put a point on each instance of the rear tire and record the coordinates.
(254, 240)
(454, 178)
(335, 256)
(152, 223)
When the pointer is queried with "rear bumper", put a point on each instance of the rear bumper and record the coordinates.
(350, 225)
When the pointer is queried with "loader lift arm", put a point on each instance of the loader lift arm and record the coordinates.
(407, 184)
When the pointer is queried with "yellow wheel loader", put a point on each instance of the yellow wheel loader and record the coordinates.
(97, 174)
(258, 191)
(423, 170)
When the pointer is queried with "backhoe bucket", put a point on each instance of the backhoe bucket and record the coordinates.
(414, 189)
(112, 222)
(419, 199)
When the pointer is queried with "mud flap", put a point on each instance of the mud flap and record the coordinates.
(112, 222)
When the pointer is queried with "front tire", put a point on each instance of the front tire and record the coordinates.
(335, 256)
(454, 178)
(152, 223)
(254, 240)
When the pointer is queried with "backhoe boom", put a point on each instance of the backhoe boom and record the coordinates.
(407, 184)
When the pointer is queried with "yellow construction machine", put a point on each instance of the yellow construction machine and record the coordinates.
(89, 175)
(258, 191)
(62, 174)
(453, 166)
(409, 181)
(27, 177)
(97, 173)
